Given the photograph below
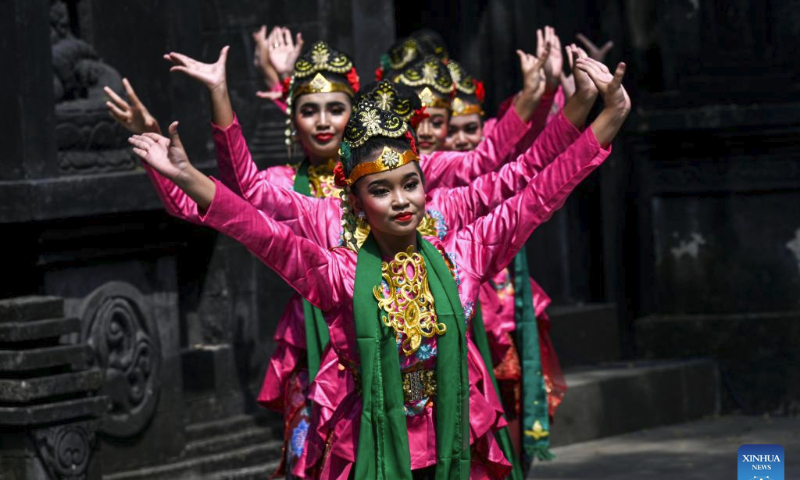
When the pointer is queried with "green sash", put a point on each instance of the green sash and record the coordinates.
(535, 417)
(383, 451)
(317, 335)
(502, 436)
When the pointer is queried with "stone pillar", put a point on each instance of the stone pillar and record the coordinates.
(48, 408)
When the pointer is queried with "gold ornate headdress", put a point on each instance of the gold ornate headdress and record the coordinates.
(469, 92)
(431, 79)
(309, 76)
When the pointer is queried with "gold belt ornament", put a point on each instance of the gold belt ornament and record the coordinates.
(409, 304)
(418, 385)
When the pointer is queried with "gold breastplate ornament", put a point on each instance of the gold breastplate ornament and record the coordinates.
(409, 303)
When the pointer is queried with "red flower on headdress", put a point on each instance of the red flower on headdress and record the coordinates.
(286, 83)
(379, 74)
(480, 92)
(352, 78)
(410, 138)
(417, 118)
(339, 178)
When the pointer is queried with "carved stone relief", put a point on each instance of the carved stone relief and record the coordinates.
(124, 342)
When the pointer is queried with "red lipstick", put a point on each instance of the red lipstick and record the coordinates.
(324, 137)
(404, 217)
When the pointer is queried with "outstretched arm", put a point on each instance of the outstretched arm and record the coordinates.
(134, 116)
(306, 266)
(489, 244)
(454, 169)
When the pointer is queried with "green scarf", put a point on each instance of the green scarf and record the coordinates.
(503, 437)
(535, 441)
(317, 335)
(383, 451)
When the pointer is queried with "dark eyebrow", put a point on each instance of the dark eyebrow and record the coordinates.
(336, 103)
(386, 182)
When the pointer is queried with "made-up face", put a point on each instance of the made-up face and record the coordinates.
(432, 132)
(464, 133)
(393, 201)
(319, 119)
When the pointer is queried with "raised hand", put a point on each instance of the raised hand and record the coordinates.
(533, 76)
(212, 75)
(609, 85)
(134, 115)
(584, 85)
(533, 82)
(554, 67)
(166, 155)
(261, 55)
(168, 158)
(595, 52)
(283, 52)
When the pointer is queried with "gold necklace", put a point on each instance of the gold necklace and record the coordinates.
(321, 179)
(413, 314)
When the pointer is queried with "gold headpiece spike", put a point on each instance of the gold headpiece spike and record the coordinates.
(458, 106)
(427, 97)
(320, 83)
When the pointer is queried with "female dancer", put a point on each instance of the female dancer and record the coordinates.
(385, 184)
(287, 377)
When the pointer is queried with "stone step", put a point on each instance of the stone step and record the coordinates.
(260, 472)
(22, 309)
(259, 455)
(11, 332)
(699, 450)
(620, 397)
(200, 431)
(231, 441)
(45, 357)
(586, 334)
(53, 412)
(26, 390)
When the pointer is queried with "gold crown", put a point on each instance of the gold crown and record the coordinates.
(462, 108)
(320, 84)
(430, 99)
(388, 160)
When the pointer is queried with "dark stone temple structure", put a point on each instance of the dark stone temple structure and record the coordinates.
(132, 345)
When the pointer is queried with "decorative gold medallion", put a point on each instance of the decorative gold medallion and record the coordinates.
(320, 54)
(371, 121)
(537, 431)
(409, 302)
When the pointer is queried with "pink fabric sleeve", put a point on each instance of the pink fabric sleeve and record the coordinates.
(456, 169)
(550, 108)
(280, 103)
(488, 245)
(238, 171)
(500, 145)
(175, 201)
(271, 190)
(463, 205)
(304, 265)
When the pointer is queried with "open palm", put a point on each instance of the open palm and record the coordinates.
(166, 155)
(609, 85)
(283, 52)
(212, 75)
(134, 116)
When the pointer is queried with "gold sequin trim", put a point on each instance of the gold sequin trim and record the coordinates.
(418, 385)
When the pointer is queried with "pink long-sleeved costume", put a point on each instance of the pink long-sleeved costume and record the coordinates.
(325, 277)
(452, 209)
